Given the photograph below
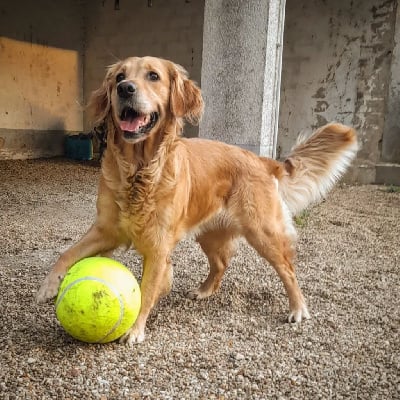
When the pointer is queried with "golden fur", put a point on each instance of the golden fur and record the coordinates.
(156, 186)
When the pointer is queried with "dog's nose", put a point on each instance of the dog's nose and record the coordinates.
(126, 89)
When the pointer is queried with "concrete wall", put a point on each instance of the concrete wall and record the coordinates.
(340, 62)
(40, 76)
(391, 134)
(42, 48)
(172, 29)
(336, 66)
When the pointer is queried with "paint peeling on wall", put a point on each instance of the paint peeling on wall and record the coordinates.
(337, 67)
(391, 133)
(373, 78)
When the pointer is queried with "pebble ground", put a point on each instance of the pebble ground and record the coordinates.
(234, 345)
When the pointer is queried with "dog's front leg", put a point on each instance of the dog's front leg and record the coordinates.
(97, 240)
(156, 282)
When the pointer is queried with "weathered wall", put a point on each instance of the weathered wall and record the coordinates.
(336, 66)
(171, 29)
(340, 62)
(391, 134)
(42, 44)
(40, 76)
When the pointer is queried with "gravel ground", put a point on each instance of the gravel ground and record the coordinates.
(234, 345)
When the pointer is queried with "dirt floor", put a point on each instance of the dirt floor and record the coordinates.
(234, 345)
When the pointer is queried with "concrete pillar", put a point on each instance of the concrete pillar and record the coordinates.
(242, 49)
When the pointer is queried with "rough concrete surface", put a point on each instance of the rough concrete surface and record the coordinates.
(234, 345)
(340, 63)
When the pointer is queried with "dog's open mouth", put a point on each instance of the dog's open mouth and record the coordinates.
(134, 124)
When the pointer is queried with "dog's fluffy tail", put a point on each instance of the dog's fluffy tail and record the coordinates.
(316, 164)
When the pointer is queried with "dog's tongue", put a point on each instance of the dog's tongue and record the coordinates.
(134, 124)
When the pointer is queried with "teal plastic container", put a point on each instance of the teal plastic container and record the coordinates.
(79, 147)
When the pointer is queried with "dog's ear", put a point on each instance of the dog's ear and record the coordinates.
(185, 97)
(99, 103)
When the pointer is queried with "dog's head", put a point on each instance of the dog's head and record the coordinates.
(141, 94)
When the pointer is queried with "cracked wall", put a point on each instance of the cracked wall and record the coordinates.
(391, 133)
(337, 67)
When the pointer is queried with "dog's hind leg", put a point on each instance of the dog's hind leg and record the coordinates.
(276, 248)
(219, 246)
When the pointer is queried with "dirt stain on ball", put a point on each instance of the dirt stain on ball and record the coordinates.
(98, 297)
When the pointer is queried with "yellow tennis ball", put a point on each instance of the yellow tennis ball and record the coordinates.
(98, 300)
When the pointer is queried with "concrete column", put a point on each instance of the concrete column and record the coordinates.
(242, 49)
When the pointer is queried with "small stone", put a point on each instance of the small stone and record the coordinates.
(74, 372)
(203, 374)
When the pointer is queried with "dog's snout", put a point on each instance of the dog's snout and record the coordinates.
(126, 89)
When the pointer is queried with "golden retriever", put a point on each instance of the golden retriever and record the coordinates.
(156, 186)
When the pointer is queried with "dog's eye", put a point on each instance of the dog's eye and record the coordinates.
(120, 77)
(153, 76)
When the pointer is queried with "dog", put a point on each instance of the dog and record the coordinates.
(156, 187)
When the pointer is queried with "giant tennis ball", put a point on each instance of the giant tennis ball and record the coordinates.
(98, 300)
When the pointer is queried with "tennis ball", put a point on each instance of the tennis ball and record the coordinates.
(98, 300)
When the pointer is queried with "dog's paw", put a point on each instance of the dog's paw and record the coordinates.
(135, 335)
(198, 294)
(299, 314)
(193, 294)
(49, 289)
